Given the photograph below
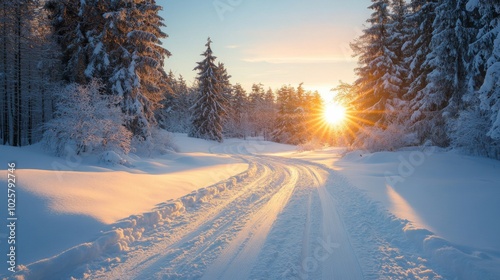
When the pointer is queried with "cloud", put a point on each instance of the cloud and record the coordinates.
(232, 47)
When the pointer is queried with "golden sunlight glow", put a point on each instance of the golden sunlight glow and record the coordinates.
(334, 113)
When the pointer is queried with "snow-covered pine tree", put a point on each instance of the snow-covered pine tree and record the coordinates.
(284, 129)
(255, 108)
(489, 93)
(132, 39)
(70, 32)
(168, 101)
(174, 115)
(225, 88)
(374, 63)
(420, 19)
(269, 113)
(396, 82)
(300, 115)
(314, 122)
(438, 103)
(478, 127)
(237, 124)
(209, 108)
(380, 72)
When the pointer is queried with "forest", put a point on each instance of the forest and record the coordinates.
(89, 76)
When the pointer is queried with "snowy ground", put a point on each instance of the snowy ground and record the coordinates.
(257, 210)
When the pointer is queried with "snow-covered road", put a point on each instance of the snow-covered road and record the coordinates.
(279, 222)
(283, 218)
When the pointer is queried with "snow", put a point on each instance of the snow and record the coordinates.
(70, 206)
(443, 191)
(252, 209)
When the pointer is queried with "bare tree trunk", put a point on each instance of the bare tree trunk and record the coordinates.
(18, 87)
(5, 98)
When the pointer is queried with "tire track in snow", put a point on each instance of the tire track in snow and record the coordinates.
(167, 239)
(239, 257)
(344, 261)
(184, 255)
(228, 236)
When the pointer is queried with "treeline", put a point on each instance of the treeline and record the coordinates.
(51, 47)
(213, 108)
(290, 115)
(29, 68)
(429, 73)
(88, 76)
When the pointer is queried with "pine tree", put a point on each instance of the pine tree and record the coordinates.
(77, 28)
(132, 39)
(269, 113)
(439, 101)
(478, 127)
(285, 125)
(255, 108)
(174, 115)
(300, 114)
(396, 83)
(421, 20)
(238, 124)
(490, 89)
(375, 61)
(209, 108)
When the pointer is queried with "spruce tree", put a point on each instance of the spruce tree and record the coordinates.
(237, 122)
(421, 18)
(440, 100)
(478, 127)
(375, 61)
(132, 37)
(209, 108)
(285, 125)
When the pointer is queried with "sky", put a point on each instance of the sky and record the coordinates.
(273, 42)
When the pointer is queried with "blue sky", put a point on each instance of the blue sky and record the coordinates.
(273, 42)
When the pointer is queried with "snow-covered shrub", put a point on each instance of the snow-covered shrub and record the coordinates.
(470, 134)
(111, 157)
(393, 137)
(310, 145)
(86, 121)
(160, 142)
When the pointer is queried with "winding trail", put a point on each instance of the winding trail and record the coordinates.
(282, 219)
(228, 237)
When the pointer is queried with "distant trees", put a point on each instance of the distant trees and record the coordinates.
(238, 124)
(298, 116)
(174, 114)
(437, 85)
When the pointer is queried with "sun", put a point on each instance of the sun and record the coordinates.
(334, 113)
